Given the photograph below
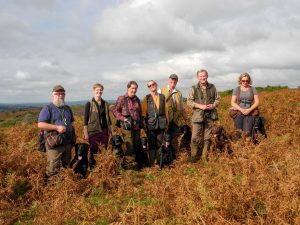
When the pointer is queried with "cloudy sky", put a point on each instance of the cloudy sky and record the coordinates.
(77, 43)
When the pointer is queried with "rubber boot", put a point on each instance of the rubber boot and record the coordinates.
(194, 153)
(205, 149)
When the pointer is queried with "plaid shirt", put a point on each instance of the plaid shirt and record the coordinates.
(134, 107)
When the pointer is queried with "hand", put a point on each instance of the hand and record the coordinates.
(203, 107)
(246, 112)
(61, 129)
(210, 106)
(86, 137)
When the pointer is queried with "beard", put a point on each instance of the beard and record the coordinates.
(59, 102)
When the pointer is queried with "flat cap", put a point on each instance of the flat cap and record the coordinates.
(58, 88)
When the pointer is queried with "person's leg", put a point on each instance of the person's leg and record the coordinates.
(151, 135)
(196, 140)
(94, 141)
(66, 155)
(174, 132)
(248, 126)
(238, 124)
(207, 138)
(53, 159)
(103, 139)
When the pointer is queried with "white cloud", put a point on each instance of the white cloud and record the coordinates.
(22, 75)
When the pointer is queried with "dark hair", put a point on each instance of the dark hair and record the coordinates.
(132, 82)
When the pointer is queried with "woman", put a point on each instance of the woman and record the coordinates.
(97, 123)
(128, 111)
(155, 112)
(245, 100)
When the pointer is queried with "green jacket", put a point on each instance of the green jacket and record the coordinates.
(210, 96)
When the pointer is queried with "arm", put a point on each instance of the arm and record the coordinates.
(217, 100)
(86, 120)
(117, 111)
(191, 101)
(50, 127)
(253, 106)
(144, 107)
(234, 104)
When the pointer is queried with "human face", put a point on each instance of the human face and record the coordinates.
(202, 77)
(172, 83)
(131, 91)
(152, 86)
(98, 92)
(58, 98)
(245, 81)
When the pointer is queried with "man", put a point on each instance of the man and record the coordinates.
(175, 108)
(154, 110)
(57, 117)
(128, 111)
(203, 99)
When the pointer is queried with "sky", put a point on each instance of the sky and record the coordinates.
(77, 43)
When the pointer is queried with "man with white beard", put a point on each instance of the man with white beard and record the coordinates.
(57, 118)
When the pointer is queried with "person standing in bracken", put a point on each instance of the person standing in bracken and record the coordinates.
(57, 117)
(97, 123)
(154, 111)
(175, 108)
(128, 112)
(203, 99)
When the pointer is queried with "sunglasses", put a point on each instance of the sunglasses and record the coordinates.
(150, 85)
(245, 81)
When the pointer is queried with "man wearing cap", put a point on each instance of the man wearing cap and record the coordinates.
(57, 117)
(203, 99)
(175, 107)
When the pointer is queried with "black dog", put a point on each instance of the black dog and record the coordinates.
(116, 142)
(166, 152)
(185, 140)
(221, 140)
(258, 128)
(81, 155)
(141, 154)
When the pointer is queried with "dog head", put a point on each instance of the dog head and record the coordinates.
(167, 140)
(81, 150)
(219, 133)
(259, 123)
(116, 140)
(185, 129)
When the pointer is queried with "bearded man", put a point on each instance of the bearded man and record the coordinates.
(58, 118)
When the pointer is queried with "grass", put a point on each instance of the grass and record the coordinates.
(256, 185)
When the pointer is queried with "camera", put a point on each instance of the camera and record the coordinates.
(127, 124)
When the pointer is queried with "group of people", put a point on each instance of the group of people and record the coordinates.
(161, 112)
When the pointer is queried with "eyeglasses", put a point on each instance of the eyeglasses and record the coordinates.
(150, 85)
(245, 81)
(60, 93)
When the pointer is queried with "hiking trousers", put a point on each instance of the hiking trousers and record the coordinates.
(244, 123)
(60, 155)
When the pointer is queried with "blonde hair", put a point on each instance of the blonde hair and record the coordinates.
(151, 81)
(97, 85)
(202, 71)
(244, 75)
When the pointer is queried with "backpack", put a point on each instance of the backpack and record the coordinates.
(41, 136)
